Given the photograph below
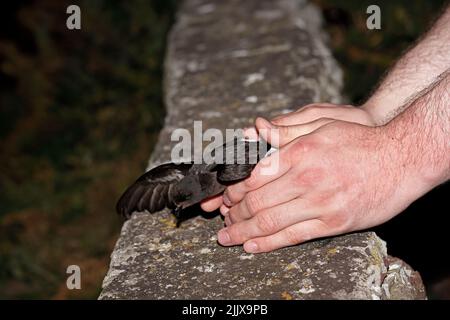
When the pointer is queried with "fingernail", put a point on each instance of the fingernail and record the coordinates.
(226, 200)
(223, 237)
(251, 247)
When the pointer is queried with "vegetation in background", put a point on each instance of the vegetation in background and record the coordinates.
(365, 55)
(80, 113)
(81, 110)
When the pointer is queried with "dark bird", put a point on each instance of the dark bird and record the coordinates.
(178, 186)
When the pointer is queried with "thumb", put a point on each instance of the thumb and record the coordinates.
(278, 136)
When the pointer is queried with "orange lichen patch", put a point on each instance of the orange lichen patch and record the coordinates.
(332, 251)
(286, 295)
(168, 222)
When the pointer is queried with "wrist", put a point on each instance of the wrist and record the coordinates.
(414, 159)
(374, 111)
(383, 108)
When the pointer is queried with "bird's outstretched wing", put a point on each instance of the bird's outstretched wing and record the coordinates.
(153, 191)
(176, 186)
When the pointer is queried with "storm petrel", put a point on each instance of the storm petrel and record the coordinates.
(178, 186)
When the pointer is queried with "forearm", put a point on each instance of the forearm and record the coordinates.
(420, 137)
(415, 71)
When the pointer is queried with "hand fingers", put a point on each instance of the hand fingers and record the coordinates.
(293, 235)
(263, 198)
(311, 105)
(309, 114)
(313, 112)
(212, 203)
(279, 136)
(269, 221)
(267, 170)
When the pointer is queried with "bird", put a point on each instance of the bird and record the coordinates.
(177, 186)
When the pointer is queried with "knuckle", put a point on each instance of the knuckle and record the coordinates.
(284, 157)
(232, 194)
(237, 213)
(251, 182)
(235, 235)
(267, 223)
(310, 110)
(284, 131)
(309, 177)
(300, 185)
(297, 180)
(266, 245)
(322, 121)
(300, 147)
(253, 203)
(322, 199)
(339, 221)
(293, 237)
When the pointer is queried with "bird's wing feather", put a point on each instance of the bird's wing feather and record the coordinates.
(234, 172)
(245, 155)
(151, 191)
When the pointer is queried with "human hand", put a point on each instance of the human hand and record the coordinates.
(297, 123)
(313, 116)
(340, 178)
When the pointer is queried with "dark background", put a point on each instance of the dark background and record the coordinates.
(81, 110)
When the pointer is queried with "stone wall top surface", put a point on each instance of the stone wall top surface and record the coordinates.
(228, 62)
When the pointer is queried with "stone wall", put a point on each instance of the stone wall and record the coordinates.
(227, 62)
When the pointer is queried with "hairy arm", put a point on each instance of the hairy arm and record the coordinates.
(422, 132)
(413, 72)
(407, 80)
(343, 177)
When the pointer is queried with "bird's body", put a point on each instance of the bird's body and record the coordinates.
(178, 186)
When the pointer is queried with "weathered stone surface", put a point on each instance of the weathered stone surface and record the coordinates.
(155, 260)
(227, 62)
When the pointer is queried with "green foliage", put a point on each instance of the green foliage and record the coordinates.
(80, 113)
(366, 55)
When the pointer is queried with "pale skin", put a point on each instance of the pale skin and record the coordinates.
(343, 168)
